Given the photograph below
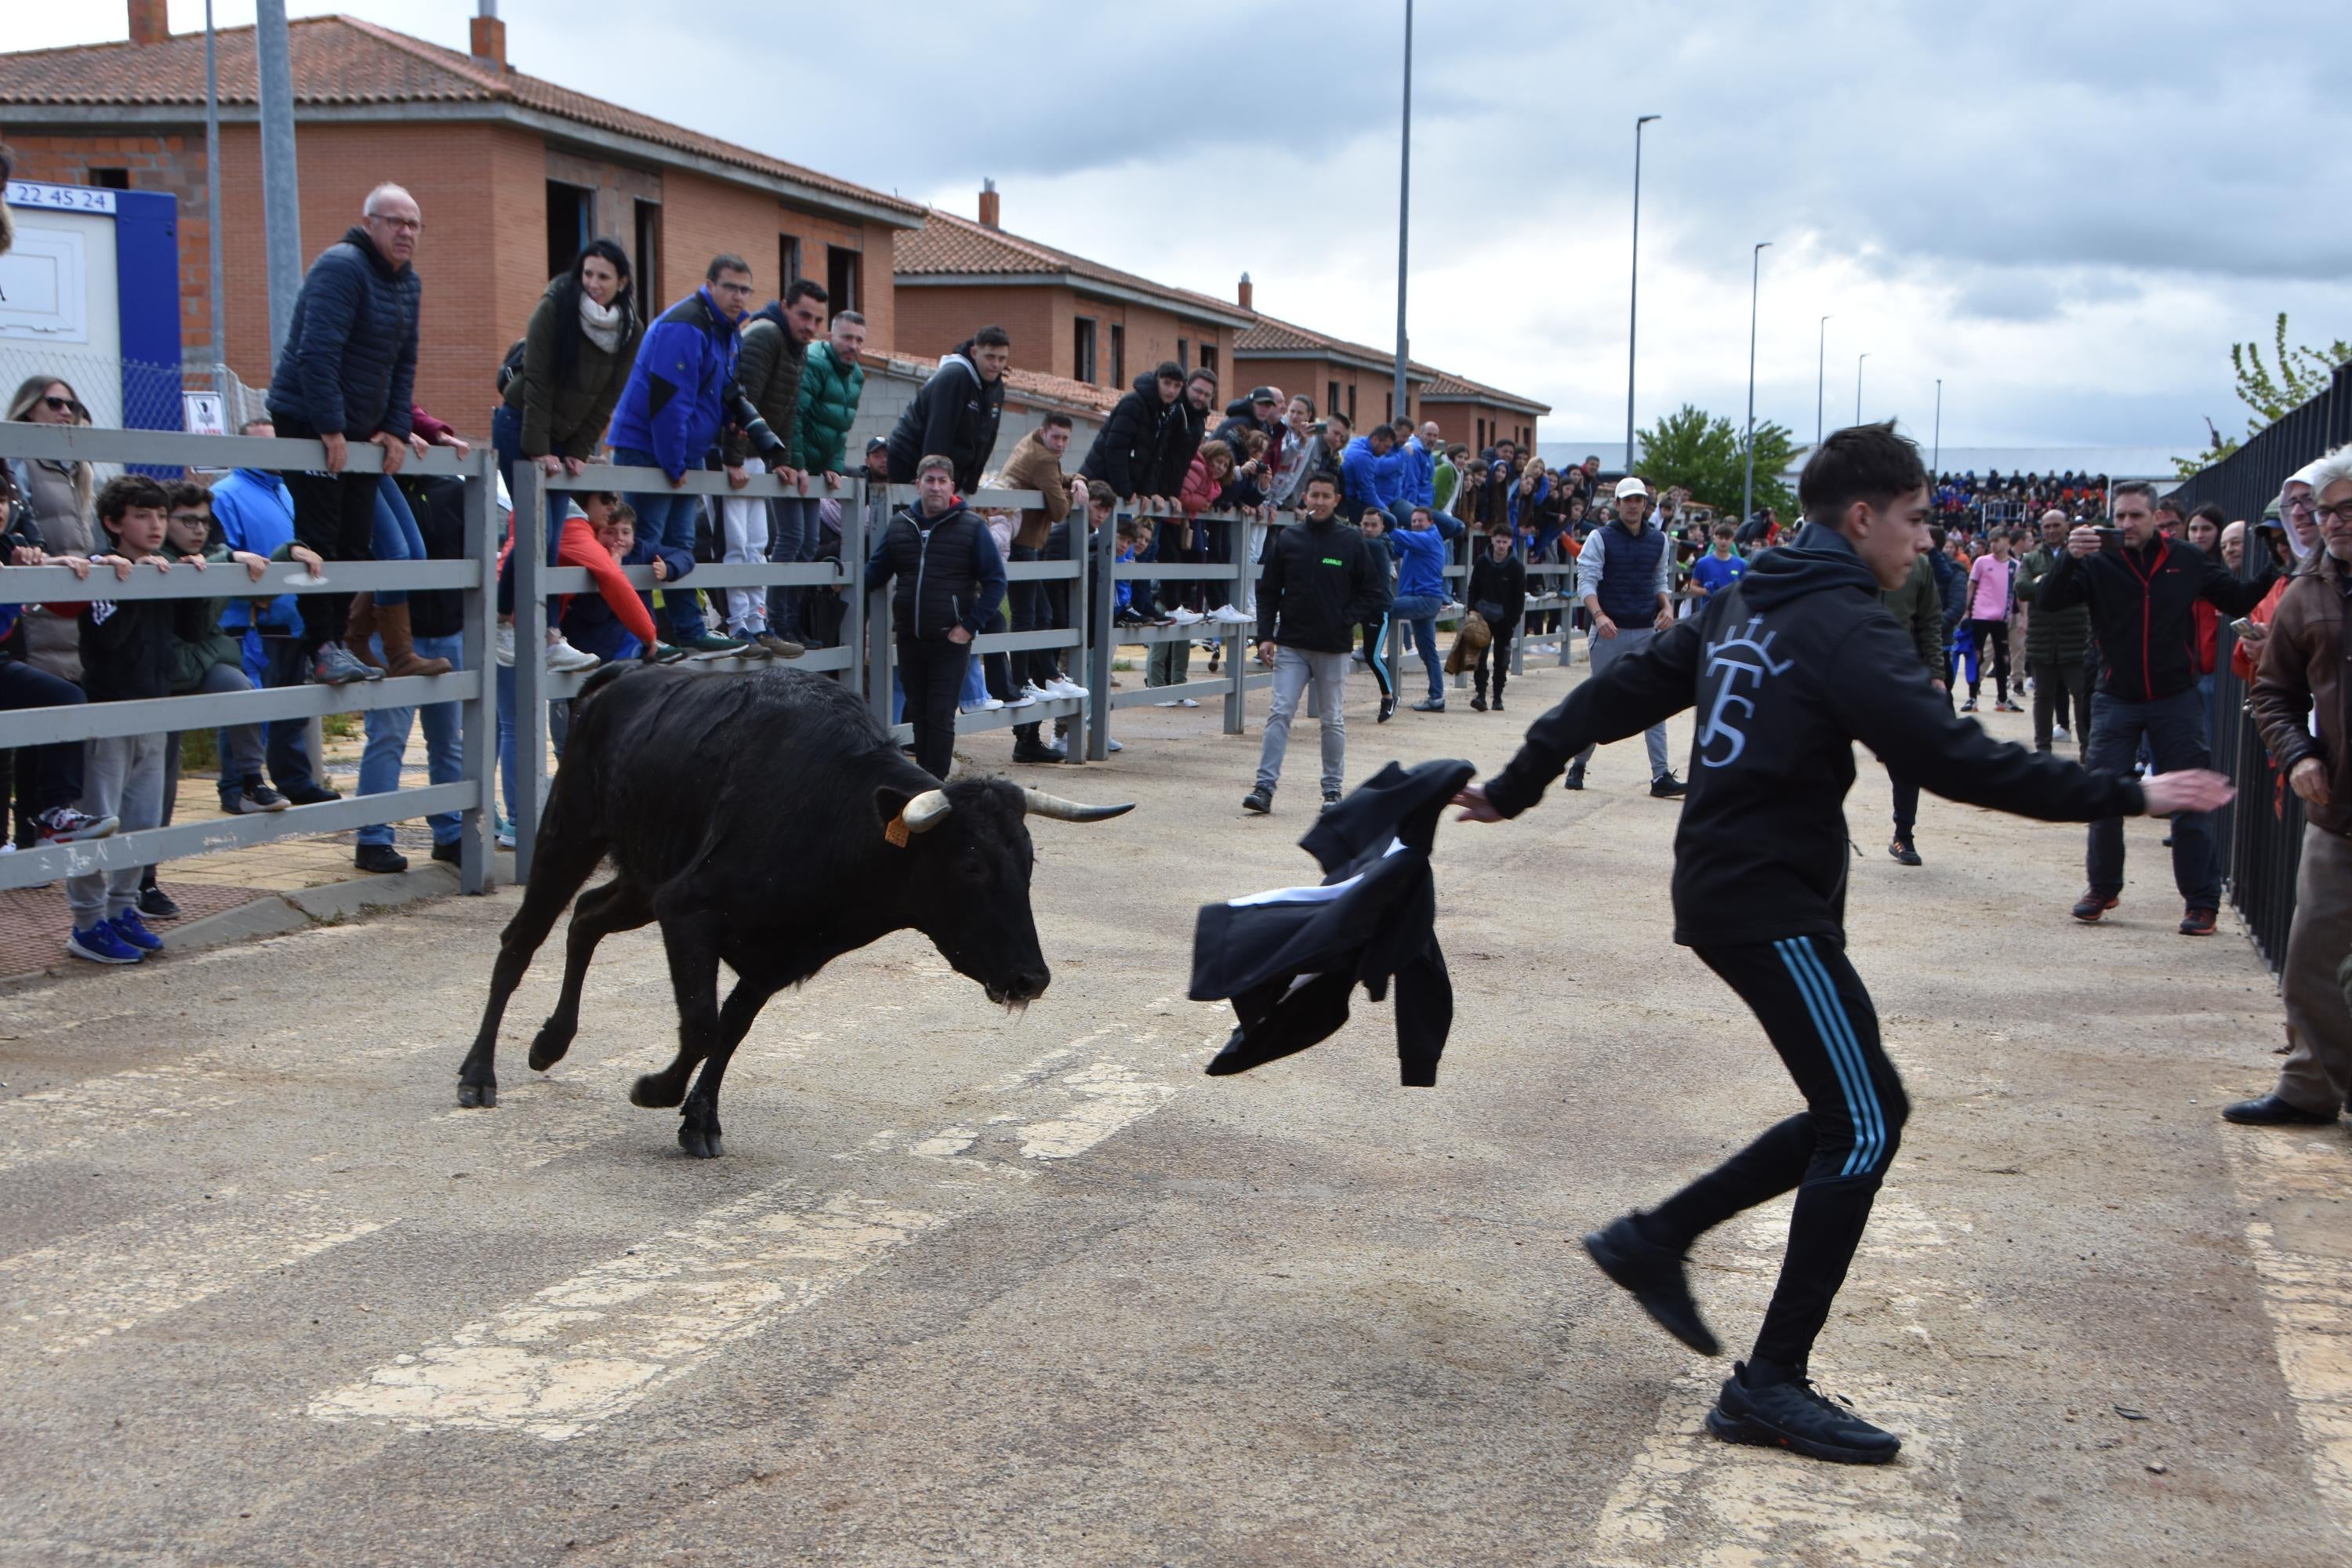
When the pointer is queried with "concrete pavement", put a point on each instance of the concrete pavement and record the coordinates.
(976, 1289)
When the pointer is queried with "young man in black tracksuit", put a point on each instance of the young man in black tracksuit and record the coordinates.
(2142, 595)
(1786, 670)
(950, 580)
(1319, 579)
(1498, 592)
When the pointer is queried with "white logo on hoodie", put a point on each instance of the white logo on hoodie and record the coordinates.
(1745, 654)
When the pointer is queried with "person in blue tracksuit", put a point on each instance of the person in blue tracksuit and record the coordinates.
(1367, 477)
(1420, 551)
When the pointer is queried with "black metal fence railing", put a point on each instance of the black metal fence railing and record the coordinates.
(2260, 835)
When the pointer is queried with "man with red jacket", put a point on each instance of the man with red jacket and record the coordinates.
(2142, 594)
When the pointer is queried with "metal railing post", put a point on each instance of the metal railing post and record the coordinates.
(1104, 635)
(874, 613)
(478, 718)
(1237, 636)
(527, 529)
(1076, 600)
(856, 546)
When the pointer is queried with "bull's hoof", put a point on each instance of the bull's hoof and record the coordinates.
(657, 1091)
(482, 1095)
(548, 1047)
(698, 1143)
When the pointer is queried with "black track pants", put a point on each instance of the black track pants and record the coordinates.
(1835, 1152)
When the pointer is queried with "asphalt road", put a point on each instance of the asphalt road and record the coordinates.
(968, 1289)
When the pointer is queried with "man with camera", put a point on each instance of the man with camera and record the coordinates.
(2142, 588)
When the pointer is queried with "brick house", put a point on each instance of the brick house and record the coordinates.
(1068, 317)
(513, 173)
(1360, 382)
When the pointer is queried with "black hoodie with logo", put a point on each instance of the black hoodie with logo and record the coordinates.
(1786, 670)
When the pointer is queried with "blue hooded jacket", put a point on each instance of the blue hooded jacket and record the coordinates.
(678, 390)
(1420, 562)
(256, 512)
(1420, 465)
(1368, 478)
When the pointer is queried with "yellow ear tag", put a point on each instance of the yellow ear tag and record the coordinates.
(895, 832)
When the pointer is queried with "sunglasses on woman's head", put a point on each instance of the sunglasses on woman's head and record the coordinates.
(64, 404)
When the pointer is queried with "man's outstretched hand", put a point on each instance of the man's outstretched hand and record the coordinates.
(2192, 789)
(1475, 806)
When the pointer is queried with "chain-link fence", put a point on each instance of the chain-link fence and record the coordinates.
(120, 394)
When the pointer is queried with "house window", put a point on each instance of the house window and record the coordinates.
(1482, 433)
(788, 262)
(571, 224)
(649, 231)
(1209, 358)
(1184, 352)
(842, 268)
(1082, 350)
(1118, 354)
(111, 179)
(1331, 398)
(1351, 402)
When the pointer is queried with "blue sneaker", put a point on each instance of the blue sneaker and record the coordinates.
(100, 944)
(132, 929)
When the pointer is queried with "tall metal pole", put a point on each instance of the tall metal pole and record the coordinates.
(282, 201)
(1404, 206)
(213, 219)
(1633, 288)
(1755, 285)
(1857, 384)
(1820, 377)
(1935, 464)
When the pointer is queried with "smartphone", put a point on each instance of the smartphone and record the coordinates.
(2110, 538)
(2242, 627)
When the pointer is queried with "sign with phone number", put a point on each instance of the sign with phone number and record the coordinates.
(59, 198)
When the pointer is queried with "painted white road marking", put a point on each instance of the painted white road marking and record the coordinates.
(1691, 1500)
(63, 1121)
(584, 1350)
(73, 1294)
(2308, 1297)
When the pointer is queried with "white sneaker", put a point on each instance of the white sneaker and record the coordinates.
(1064, 687)
(1025, 697)
(986, 705)
(1181, 617)
(564, 658)
(506, 645)
(1037, 693)
(1231, 615)
(1187, 702)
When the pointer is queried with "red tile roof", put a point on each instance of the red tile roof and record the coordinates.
(952, 247)
(1268, 335)
(1076, 396)
(343, 60)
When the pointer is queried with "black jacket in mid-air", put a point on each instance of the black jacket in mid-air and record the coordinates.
(1289, 958)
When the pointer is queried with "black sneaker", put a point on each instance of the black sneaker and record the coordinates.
(307, 794)
(380, 858)
(157, 905)
(1574, 779)
(1388, 710)
(1478, 703)
(252, 797)
(1498, 703)
(1665, 787)
(1036, 752)
(2197, 922)
(1903, 850)
(1331, 798)
(451, 853)
(1259, 800)
(1654, 1277)
(1795, 1414)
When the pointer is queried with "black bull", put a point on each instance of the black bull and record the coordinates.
(770, 823)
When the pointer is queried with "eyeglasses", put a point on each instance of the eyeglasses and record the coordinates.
(2299, 503)
(2340, 513)
(404, 225)
(66, 405)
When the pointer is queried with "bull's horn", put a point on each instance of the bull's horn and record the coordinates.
(925, 810)
(1039, 803)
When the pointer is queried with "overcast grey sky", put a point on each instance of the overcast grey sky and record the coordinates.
(2066, 211)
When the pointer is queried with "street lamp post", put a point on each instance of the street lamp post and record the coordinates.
(1633, 288)
(1755, 284)
(1820, 377)
(1404, 206)
(1936, 463)
(1857, 384)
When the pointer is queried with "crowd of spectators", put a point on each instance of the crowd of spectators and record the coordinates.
(1964, 500)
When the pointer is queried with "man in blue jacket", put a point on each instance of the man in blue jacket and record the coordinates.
(348, 372)
(680, 392)
(256, 512)
(1362, 480)
(1419, 547)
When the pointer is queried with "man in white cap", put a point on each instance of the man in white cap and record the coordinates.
(1625, 575)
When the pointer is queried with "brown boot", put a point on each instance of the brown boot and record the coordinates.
(399, 652)
(362, 626)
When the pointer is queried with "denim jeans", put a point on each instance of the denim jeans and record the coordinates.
(396, 537)
(667, 517)
(444, 751)
(793, 538)
(1417, 613)
(505, 437)
(2174, 730)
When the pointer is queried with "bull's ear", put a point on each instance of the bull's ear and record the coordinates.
(904, 814)
(888, 804)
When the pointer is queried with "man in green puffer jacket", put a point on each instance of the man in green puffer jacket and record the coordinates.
(2057, 644)
(831, 384)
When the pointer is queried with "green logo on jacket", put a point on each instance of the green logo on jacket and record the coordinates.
(1327, 561)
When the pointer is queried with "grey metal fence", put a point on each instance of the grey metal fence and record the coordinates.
(471, 684)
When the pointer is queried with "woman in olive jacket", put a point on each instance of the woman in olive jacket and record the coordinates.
(576, 356)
